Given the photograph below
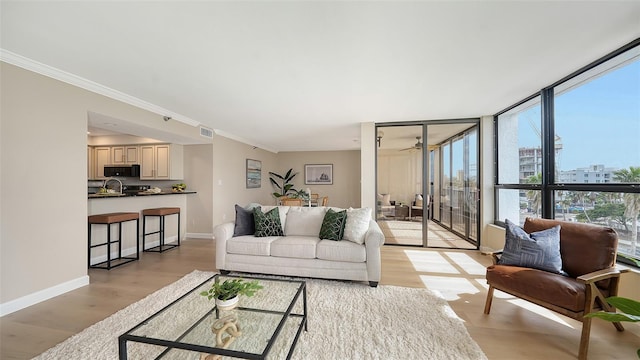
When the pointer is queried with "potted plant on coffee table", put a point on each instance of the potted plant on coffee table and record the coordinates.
(227, 293)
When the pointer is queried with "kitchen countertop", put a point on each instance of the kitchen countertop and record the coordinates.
(118, 195)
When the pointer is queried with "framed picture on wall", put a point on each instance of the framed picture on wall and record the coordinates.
(318, 174)
(254, 173)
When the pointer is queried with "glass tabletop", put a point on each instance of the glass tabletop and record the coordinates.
(267, 321)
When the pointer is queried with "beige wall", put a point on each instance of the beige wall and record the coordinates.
(198, 175)
(43, 180)
(229, 180)
(345, 190)
(43, 184)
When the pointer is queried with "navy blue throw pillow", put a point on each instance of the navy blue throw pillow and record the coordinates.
(245, 225)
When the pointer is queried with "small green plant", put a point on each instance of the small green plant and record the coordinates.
(629, 311)
(300, 194)
(231, 288)
(179, 186)
(286, 186)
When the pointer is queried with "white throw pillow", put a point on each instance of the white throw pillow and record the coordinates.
(304, 221)
(357, 224)
(386, 199)
(419, 200)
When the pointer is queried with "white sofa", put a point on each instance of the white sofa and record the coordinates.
(301, 252)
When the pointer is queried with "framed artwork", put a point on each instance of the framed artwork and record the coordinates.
(318, 174)
(254, 173)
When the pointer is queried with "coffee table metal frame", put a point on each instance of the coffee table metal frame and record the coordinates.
(302, 290)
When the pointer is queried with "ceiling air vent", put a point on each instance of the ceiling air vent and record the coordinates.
(206, 132)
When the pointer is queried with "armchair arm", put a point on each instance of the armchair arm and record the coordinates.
(600, 275)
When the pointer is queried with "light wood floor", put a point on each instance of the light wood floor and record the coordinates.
(511, 331)
(406, 232)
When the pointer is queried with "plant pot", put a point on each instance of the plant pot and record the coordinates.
(227, 304)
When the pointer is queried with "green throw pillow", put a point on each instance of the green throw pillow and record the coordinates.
(267, 224)
(333, 225)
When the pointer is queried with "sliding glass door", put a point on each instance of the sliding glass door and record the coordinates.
(459, 188)
(400, 182)
(427, 189)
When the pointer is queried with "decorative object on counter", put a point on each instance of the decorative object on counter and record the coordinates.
(180, 187)
(254, 174)
(318, 174)
(154, 190)
(227, 293)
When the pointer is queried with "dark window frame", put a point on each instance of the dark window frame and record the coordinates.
(548, 187)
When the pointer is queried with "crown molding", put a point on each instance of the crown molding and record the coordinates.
(54, 73)
(242, 140)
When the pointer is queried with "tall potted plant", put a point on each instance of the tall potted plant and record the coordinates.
(282, 183)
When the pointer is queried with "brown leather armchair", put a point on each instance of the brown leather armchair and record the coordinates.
(588, 257)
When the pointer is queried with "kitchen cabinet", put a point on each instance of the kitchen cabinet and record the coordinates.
(161, 162)
(124, 155)
(102, 157)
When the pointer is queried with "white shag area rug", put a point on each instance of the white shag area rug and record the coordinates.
(345, 321)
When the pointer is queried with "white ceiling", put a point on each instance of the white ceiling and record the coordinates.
(303, 75)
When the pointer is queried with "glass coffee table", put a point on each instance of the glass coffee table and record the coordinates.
(266, 325)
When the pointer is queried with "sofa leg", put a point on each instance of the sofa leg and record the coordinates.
(373, 283)
(225, 272)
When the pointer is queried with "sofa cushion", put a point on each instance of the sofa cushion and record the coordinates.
(552, 288)
(538, 250)
(302, 247)
(333, 225)
(357, 224)
(250, 245)
(245, 224)
(267, 224)
(304, 221)
(341, 251)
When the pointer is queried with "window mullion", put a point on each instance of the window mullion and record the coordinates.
(548, 153)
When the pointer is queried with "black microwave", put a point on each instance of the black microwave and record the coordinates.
(127, 171)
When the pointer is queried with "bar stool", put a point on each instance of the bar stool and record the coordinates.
(109, 219)
(161, 213)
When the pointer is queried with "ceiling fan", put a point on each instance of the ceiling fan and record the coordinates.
(416, 146)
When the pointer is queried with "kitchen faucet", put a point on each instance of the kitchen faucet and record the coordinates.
(104, 185)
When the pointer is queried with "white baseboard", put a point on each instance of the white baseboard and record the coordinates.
(200, 236)
(42, 295)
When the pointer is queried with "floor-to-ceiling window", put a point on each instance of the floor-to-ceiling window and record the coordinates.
(572, 153)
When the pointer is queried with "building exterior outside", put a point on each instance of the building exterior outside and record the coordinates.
(593, 174)
(530, 162)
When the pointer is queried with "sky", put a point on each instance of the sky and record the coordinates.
(598, 121)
